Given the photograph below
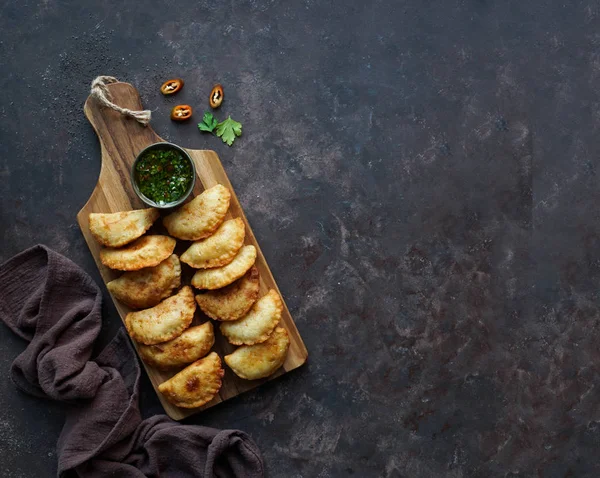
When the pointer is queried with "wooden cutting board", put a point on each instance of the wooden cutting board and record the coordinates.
(121, 139)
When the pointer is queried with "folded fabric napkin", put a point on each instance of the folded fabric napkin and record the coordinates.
(49, 301)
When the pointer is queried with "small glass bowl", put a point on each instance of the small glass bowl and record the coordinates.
(164, 146)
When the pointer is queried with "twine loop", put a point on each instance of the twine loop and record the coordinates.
(100, 92)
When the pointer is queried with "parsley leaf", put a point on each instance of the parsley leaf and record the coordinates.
(209, 123)
(227, 130)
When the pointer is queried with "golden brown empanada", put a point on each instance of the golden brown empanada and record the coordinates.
(231, 302)
(147, 287)
(193, 344)
(163, 322)
(147, 251)
(196, 384)
(201, 216)
(222, 276)
(219, 249)
(261, 360)
(256, 326)
(120, 228)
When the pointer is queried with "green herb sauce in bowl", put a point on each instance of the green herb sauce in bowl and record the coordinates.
(163, 175)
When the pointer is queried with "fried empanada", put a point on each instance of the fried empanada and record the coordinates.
(256, 326)
(222, 276)
(147, 287)
(120, 228)
(193, 344)
(147, 251)
(201, 216)
(231, 302)
(196, 384)
(163, 322)
(261, 360)
(218, 249)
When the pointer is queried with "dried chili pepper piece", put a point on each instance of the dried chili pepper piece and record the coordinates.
(181, 113)
(171, 86)
(216, 96)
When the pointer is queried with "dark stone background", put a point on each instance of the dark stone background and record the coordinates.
(422, 177)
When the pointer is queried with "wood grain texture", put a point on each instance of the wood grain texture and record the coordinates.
(121, 139)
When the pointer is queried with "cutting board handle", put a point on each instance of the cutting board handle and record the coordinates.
(121, 137)
(110, 124)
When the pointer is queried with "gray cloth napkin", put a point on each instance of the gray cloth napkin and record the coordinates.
(54, 305)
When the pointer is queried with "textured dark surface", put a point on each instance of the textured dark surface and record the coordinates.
(422, 177)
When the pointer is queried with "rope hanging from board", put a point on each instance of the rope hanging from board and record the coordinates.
(100, 92)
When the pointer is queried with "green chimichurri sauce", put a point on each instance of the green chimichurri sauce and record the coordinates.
(163, 175)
